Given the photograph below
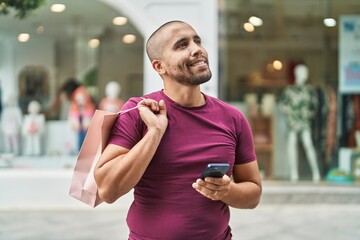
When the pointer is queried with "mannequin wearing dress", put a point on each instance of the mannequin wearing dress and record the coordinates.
(11, 119)
(112, 102)
(33, 129)
(298, 104)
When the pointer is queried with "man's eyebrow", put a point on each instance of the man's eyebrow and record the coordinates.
(197, 37)
(180, 41)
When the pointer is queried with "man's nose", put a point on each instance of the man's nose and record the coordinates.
(196, 49)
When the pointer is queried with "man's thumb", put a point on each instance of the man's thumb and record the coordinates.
(162, 107)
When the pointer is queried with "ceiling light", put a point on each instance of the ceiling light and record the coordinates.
(129, 38)
(94, 43)
(256, 21)
(58, 8)
(330, 22)
(249, 27)
(23, 37)
(120, 21)
(277, 65)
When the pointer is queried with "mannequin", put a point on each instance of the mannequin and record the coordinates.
(112, 102)
(80, 113)
(33, 129)
(298, 104)
(11, 120)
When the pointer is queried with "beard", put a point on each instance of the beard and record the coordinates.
(185, 76)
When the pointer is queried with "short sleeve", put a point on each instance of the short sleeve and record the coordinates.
(128, 128)
(245, 150)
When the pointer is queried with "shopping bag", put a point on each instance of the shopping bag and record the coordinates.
(83, 186)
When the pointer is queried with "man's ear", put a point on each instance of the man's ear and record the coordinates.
(157, 66)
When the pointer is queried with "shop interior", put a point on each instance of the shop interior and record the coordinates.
(262, 43)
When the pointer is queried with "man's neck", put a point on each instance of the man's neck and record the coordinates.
(186, 96)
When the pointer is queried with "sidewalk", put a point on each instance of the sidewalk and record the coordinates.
(268, 221)
(35, 205)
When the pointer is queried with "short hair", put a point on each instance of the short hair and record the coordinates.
(151, 49)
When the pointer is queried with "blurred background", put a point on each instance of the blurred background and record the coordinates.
(61, 59)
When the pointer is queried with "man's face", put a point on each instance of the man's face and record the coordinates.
(183, 57)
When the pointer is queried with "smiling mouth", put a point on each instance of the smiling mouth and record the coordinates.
(199, 63)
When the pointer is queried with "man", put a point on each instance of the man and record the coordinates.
(161, 149)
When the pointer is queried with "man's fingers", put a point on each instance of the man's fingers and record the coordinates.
(151, 104)
(154, 106)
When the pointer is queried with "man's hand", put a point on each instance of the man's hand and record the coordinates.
(153, 114)
(213, 188)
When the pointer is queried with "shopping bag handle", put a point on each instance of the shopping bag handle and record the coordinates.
(130, 109)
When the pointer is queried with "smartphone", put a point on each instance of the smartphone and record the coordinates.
(215, 170)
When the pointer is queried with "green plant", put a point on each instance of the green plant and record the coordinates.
(90, 77)
(23, 8)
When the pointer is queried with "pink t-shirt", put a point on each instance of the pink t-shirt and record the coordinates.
(165, 204)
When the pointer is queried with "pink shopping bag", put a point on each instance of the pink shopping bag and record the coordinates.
(83, 186)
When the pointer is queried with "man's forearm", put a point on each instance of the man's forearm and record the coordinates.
(243, 195)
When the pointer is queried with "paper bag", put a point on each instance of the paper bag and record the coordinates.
(83, 186)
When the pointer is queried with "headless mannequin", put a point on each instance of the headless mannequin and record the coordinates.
(11, 119)
(33, 129)
(112, 102)
(299, 112)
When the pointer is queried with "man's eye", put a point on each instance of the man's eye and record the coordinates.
(197, 41)
(181, 45)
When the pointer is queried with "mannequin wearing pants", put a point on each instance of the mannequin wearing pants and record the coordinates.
(298, 104)
(80, 113)
(293, 154)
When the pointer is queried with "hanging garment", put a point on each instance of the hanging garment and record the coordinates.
(298, 103)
